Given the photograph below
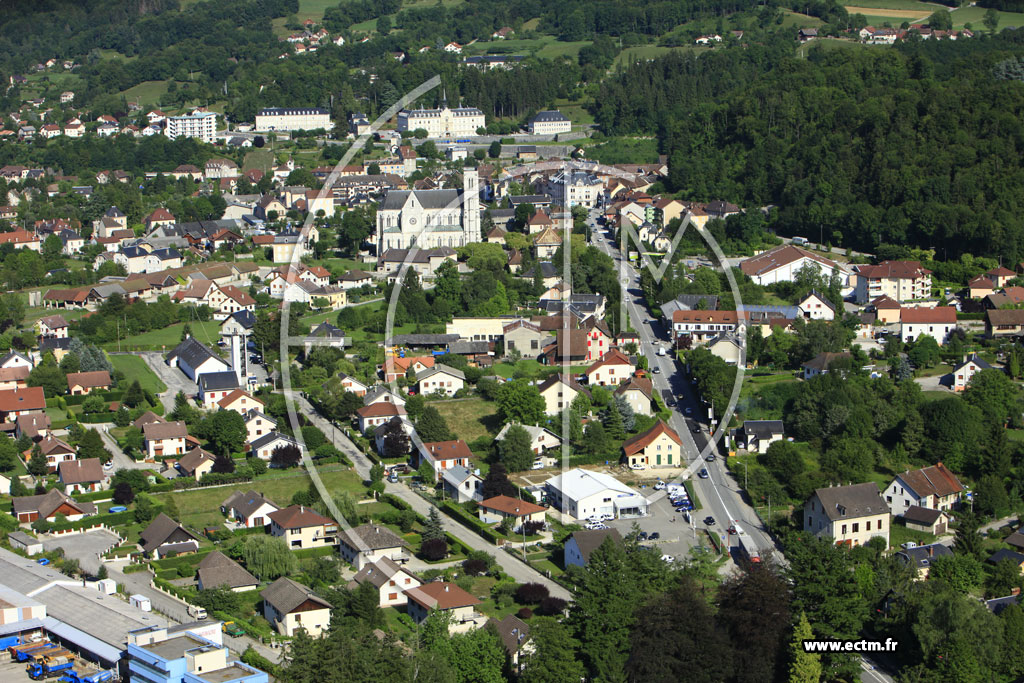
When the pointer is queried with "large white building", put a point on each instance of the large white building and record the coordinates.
(303, 118)
(198, 124)
(550, 123)
(583, 494)
(781, 264)
(430, 218)
(572, 188)
(442, 123)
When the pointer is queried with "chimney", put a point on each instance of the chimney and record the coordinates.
(302, 508)
(446, 588)
(931, 551)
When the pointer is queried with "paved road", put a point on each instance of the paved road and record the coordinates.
(512, 566)
(719, 494)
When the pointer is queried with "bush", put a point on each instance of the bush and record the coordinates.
(551, 606)
(474, 567)
(524, 613)
(531, 593)
(434, 549)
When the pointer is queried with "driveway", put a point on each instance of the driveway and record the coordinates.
(174, 379)
(121, 460)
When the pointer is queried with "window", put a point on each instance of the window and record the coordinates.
(392, 596)
(856, 527)
(867, 526)
(843, 531)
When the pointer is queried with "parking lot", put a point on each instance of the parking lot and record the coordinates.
(675, 538)
(83, 547)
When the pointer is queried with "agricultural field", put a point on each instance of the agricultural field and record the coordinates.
(262, 159)
(146, 93)
(134, 368)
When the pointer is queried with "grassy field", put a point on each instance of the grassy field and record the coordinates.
(556, 49)
(146, 93)
(469, 418)
(262, 159)
(169, 337)
(633, 54)
(974, 15)
(134, 368)
(201, 507)
(797, 20)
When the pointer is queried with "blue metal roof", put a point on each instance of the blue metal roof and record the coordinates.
(87, 643)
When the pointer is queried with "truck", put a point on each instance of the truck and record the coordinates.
(73, 676)
(197, 612)
(233, 629)
(50, 653)
(746, 547)
(50, 667)
(22, 653)
(800, 241)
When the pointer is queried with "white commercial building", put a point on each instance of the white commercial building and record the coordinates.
(198, 124)
(305, 118)
(550, 123)
(442, 123)
(583, 494)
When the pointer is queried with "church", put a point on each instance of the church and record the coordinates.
(430, 218)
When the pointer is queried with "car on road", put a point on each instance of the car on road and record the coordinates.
(656, 370)
(731, 530)
(709, 521)
(710, 458)
(108, 465)
(696, 429)
(703, 474)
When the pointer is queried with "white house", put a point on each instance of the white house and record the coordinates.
(933, 488)
(194, 359)
(936, 322)
(582, 494)
(390, 580)
(815, 306)
(264, 447)
(443, 455)
(582, 543)
(441, 379)
(249, 509)
(963, 372)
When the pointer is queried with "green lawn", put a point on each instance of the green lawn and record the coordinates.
(469, 418)
(134, 368)
(167, 338)
(974, 15)
(262, 159)
(200, 508)
(797, 20)
(895, 5)
(557, 49)
(146, 93)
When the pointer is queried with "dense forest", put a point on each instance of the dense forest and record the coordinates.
(920, 145)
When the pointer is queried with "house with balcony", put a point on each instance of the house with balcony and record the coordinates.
(301, 527)
(899, 280)
(367, 543)
(249, 509)
(701, 326)
(938, 322)
(933, 487)
(164, 438)
(448, 599)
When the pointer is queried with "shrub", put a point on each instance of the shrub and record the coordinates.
(474, 567)
(531, 593)
(525, 613)
(502, 593)
(551, 606)
(434, 549)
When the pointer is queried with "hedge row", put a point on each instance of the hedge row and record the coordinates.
(394, 501)
(105, 395)
(126, 517)
(471, 522)
(96, 418)
(132, 568)
(175, 562)
(306, 553)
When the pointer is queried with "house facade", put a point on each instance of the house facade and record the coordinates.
(850, 515)
(933, 487)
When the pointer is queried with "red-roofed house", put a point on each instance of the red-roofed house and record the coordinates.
(446, 598)
(443, 455)
(81, 383)
(159, 217)
(377, 414)
(494, 510)
(611, 370)
(658, 446)
(1000, 276)
(936, 322)
(240, 402)
(302, 527)
(21, 402)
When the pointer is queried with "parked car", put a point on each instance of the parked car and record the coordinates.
(654, 536)
(668, 558)
(636, 467)
(660, 486)
(709, 521)
(703, 474)
(642, 536)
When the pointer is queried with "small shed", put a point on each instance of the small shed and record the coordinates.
(22, 541)
(926, 519)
